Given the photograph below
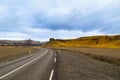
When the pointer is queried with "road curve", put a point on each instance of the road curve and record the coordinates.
(38, 66)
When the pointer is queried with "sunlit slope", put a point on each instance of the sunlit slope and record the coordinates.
(91, 41)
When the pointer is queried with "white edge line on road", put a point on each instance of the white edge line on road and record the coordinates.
(51, 75)
(55, 59)
(20, 67)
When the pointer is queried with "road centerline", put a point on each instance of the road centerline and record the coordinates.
(55, 59)
(51, 75)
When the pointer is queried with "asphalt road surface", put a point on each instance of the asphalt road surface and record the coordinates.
(76, 66)
(37, 66)
(66, 65)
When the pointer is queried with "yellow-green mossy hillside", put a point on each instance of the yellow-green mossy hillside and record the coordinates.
(91, 41)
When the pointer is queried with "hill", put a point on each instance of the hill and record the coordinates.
(91, 41)
(28, 42)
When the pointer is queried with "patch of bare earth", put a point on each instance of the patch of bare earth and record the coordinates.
(72, 66)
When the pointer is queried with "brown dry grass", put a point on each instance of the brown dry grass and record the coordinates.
(111, 56)
(12, 52)
(97, 51)
(92, 41)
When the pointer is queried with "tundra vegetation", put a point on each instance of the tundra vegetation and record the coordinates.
(91, 41)
(103, 48)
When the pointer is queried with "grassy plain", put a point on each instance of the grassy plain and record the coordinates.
(111, 56)
(13, 52)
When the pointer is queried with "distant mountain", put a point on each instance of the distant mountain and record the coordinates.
(91, 41)
(28, 42)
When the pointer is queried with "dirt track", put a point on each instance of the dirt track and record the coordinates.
(72, 66)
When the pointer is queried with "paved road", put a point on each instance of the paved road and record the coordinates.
(38, 66)
(76, 66)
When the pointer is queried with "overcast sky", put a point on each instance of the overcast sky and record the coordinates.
(43, 19)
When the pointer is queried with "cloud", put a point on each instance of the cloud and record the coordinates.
(13, 35)
(4, 11)
(42, 19)
(45, 34)
(79, 14)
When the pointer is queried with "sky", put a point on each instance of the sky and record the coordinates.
(63, 19)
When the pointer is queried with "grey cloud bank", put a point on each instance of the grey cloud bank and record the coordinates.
(42, 19)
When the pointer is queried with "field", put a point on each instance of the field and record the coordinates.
(111, 56)
(13, 52)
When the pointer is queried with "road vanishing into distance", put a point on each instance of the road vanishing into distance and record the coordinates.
(37, 66)
(65, 65)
